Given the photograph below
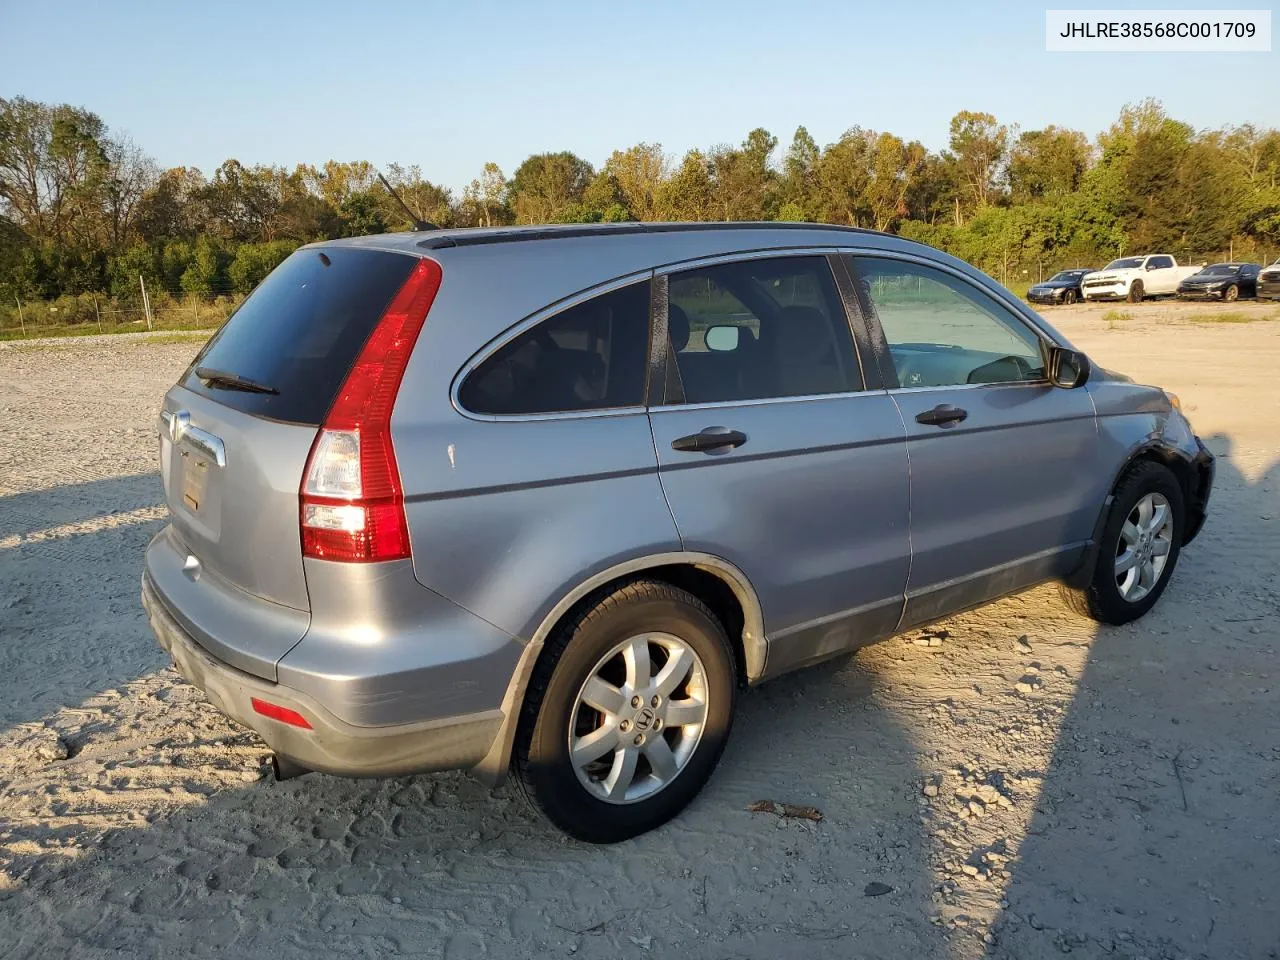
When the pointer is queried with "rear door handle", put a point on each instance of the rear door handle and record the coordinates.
(712, 438)
(942, 415)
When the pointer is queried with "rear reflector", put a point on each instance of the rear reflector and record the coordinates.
(352, 505)
(277, 712)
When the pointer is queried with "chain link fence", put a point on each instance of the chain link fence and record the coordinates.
(90, 313)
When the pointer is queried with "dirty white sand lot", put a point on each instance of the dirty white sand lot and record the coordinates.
(1125, 802)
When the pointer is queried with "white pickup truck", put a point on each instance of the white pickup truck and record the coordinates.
(1133, 278)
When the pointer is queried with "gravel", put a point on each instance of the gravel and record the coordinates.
(159, 835)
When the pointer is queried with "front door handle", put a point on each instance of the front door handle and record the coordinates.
(712, 438)
(942, 415)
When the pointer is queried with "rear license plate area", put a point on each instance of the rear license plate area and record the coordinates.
(195, 482)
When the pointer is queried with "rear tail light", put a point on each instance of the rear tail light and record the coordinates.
(352, 506)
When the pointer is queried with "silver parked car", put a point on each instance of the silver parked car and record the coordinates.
(544, 499)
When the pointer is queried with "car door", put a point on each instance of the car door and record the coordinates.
(772, 454)
(1161, 275)
(1249, 280)
(1005, 486)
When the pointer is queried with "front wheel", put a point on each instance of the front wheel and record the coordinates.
(1135, 292)
(1069, 297)
(627, 713)
(1139, 548)
(1231, 294)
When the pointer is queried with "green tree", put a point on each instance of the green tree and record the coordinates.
(206, 277)
(546, 183)
(361, 214)
(980, 146)
(743, 182)
(893, 166)
(1047, 163)
(484, 199)
(843, 178)
(688, 194)
(798, 187)
(639, 173)
(253, 261)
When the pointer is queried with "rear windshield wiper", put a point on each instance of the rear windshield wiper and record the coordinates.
(232, 381)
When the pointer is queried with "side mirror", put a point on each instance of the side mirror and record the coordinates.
(721, 339)
(1068, 369)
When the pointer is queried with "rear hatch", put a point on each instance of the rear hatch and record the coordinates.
(237, 430)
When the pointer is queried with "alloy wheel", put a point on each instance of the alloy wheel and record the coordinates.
(1143, 549)
(638, 718)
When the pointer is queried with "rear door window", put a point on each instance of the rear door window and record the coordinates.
(760, 328)
(591, 356)
(300, 331)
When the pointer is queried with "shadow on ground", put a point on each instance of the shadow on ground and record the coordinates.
(159, 837)
(70, 622)
(1155, 834)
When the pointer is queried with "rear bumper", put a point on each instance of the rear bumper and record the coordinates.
(331, 745)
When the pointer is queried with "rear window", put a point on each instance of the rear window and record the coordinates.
(589, 357)
(300, 331)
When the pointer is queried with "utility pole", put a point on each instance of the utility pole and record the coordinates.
(146, 302)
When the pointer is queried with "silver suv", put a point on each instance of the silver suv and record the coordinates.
(545, 499)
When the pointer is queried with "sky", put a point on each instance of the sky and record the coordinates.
(449, 86)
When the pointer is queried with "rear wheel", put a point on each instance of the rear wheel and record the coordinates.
(628, 711)
(1136, 291)
(1139, 547)
(1232, 293)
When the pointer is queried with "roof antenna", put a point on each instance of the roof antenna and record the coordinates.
(418, 223)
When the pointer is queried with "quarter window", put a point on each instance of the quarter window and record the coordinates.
(589, 357)
(942, 331)
(758, 329)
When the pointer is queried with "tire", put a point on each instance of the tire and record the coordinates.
(1136, 291)
(555, 709)
(1102, 598)
(1231, 294)
(1069, 298)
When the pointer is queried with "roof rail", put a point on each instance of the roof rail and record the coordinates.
(465, 238)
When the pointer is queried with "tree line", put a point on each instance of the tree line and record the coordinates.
(85, 210)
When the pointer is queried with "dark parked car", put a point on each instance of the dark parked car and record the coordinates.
(1269, 282)
(1221, 281)
(1062, 287)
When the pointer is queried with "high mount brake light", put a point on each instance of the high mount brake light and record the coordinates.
(351, 503)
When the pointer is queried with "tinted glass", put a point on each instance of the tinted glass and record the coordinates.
(943, 331)
(792, 337)
(1159, 263)
(300, 331)
(1223, 269)
(590, 357)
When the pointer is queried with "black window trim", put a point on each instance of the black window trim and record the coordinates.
(661, 395)
(533, 320)
(997, 296)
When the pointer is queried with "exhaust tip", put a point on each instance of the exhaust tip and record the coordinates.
(285, 769)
